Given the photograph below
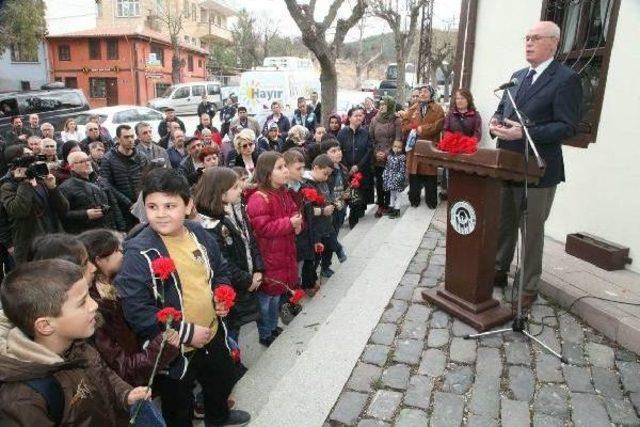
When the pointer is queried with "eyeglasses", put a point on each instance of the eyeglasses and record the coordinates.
(79, 162)
(536, 38)
(248, 145)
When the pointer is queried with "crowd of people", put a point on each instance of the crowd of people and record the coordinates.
(84, 219)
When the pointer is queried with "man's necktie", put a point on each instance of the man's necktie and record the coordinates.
(524, 87)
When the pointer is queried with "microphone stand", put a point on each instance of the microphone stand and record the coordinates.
(520, 322)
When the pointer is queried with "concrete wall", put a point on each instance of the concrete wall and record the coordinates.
(603, 181)
(12, 73)
(65, 16)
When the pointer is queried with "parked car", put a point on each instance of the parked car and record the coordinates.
(369, 85)
(389, 88)
(53, 106)
(112, 117)
(185, 97)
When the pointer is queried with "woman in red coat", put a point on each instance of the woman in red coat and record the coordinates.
(275, 219)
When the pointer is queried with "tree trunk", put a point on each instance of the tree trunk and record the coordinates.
(329, 88)
(400, 60)
(175, 61)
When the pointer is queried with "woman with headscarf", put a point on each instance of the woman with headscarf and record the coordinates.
(335, 124)
(385, 128)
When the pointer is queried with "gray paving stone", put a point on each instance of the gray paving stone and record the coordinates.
(363, 377)
(384, 334)
(437, 259)
(461, 329)
(485, 397)
(521, 382)
(440, 250)
(550, 339)
(622, 412)
(514, 413)
(552, 400)
(458, 379)
(376, 354)
(413, 329)
(384, 404)
(429, 282)
(408, 351)
(587, 410)
(412, 418)
(418, 313)
(373, 423)
(432, 363)
(434, 271)
(606, 383)
(544, 420)
(410, 279)
(574, 354)
(544, 313)
(428, 243)
(417, 294)
(440, 319)
(600, 355)
(419, 392)
(396, 376)
(494, 341)
(548, 368)
(438, 337)
(488, 363)
(635, 400)
(578, 379)
(447, 410)
(395, 310)
(570, 330)
(480, 421)
(348, 407)
(518, 353)
(625, 355)
(630, 375)
(417, 266)
(403, 293)
(463, 351)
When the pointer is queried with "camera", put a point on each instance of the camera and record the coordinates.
(36, 166)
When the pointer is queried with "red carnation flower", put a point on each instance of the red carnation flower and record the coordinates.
(235, 355)
(318, 248)
(356, 180)
(168, 315)
(296, 297)
(311, 195)
(225, 294)
(163, 267)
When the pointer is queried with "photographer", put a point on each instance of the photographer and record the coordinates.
(33, 203)
(89, 205)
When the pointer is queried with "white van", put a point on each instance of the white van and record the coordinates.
(185, 97)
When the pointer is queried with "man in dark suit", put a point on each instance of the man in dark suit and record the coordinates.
(549, 95)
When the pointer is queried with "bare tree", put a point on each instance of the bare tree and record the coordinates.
(268, 30)
(169, 14)
(442, 53)
(361, 63)
(404, 31)
(314, 38)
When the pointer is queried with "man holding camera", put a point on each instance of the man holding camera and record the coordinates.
(89, 205)
(31, 200)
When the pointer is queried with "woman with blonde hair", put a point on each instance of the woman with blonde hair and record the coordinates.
(296, 138)
(71, 131)
(244, 153)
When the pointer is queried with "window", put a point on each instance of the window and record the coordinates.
(197, 91)
(126, 116)
(22, 55)
(97, 87)
(159, 51)
(185, 8)
(25, 85)
(161, 88)
(199, 63)
(190, 62)
(94, 49)
(149, 115)
(587, 31)
(71, 82)
(213, 89)
(194, 12)
(53, 101)
(64, 52)
(183, 92)
(112, 48)
(127, 8)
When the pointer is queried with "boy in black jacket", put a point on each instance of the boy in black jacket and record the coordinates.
(199, 268)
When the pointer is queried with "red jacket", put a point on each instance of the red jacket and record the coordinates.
(269, 213)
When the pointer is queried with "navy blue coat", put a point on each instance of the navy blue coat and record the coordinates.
(552, 108)
(139, 290)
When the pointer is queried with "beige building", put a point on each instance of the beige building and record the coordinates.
(204, 22)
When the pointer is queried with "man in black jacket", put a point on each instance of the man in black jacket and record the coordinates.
(89, 205)
(122, 169)
(207, 107)
(92, 130)
(191, 166)
(169, 116)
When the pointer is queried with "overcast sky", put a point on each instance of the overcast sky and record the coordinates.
(444, 11)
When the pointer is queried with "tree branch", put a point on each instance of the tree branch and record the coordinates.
(343, 26)
(331, 15)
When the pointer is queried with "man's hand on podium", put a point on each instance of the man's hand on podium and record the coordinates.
(508, 130)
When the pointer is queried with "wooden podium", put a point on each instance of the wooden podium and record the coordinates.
(473, 229)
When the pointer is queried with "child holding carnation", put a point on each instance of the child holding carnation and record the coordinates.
(192, 268)
(394, 177)
(275, 219)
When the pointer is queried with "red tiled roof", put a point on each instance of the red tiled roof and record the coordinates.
(120, 32)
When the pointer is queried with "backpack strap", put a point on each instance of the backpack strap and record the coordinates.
(50, 389)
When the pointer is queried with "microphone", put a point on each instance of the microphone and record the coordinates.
(512, 83)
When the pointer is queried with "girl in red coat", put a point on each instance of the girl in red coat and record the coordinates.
(276, 220)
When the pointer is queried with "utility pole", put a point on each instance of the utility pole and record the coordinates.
(424, 49)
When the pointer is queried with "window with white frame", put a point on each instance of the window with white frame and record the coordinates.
(127, 8)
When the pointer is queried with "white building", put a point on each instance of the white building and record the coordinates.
(24, 72)
(599, 39)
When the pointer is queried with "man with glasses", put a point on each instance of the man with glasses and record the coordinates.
(89, 204)
(549, 95)
(147, 146)
(92, 130)
(121, 169)
(47, 131)
(190, 164)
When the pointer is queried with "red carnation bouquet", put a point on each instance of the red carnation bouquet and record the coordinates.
(296, 296)
(457, 143)
(355, 192)
(163, 267)
(225, 294)
(356, 180)
(312, 196)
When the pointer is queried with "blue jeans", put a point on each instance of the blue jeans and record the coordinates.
(269, 308)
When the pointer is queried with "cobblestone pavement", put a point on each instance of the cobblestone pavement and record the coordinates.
(417, 369)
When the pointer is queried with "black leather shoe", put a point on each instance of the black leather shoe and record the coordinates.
(236, 418)
(267, 341)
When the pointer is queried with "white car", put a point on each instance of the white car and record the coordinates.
(369, 85)
(112, 117)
